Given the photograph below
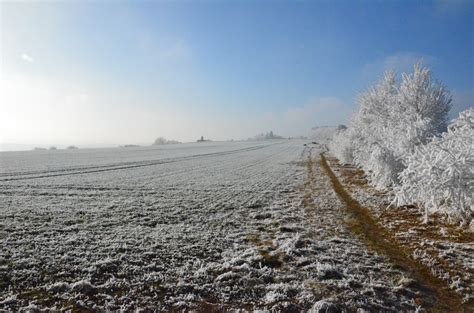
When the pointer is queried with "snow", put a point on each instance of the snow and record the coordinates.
(440, 175)
(183, 227)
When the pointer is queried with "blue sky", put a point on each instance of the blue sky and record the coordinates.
(120, 72)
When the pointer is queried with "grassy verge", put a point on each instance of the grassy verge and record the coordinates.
(380, 240)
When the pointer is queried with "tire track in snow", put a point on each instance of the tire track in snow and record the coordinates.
(120, 166)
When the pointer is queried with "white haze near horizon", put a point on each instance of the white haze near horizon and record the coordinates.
(50, 98)
(47, 98)
(41, 112)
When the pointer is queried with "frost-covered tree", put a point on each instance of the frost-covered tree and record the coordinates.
(163, 141)
(439, 176)
(323, 134)
(371, 127)
(422, 111)
(393, 118)
(341, 145)
(266, 136)
(424, 99)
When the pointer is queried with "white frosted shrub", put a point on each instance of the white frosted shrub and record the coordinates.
(424, 100)
(370, 127)
(382, 167)
(323, 134)
(420, 112)
(341, 147)
(393, 118)
(439, 176)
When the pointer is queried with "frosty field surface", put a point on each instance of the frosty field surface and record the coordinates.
(209, 225)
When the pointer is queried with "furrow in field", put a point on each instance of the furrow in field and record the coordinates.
(112, 167)
(257, 229)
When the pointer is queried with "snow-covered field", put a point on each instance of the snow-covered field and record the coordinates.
(210, 225)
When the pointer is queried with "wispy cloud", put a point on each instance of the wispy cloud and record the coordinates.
(27, 58)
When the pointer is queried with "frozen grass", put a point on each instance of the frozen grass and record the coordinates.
(445, 248)
(211, 226)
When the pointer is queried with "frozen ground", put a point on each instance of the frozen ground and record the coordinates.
(203, 226)
(446, 249)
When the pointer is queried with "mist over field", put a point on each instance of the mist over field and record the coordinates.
(237, 156)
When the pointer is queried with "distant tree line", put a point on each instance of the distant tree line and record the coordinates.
(266, 136)
(163, 141)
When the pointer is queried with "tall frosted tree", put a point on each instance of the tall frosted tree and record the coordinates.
(393, 118)
(423, 109)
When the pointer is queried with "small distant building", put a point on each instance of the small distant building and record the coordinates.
(202, 139)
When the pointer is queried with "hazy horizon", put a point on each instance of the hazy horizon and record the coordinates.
(7, 147)
(104, 73)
